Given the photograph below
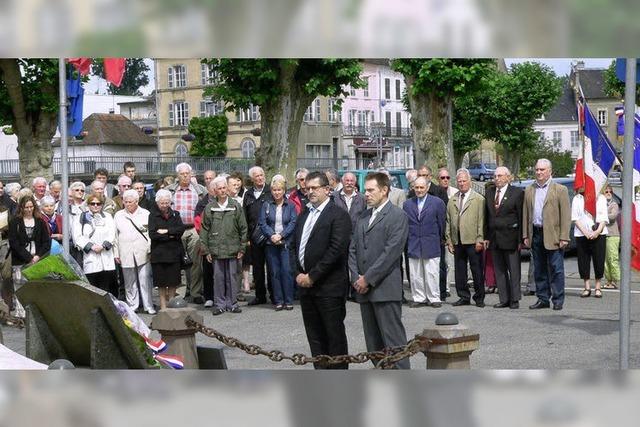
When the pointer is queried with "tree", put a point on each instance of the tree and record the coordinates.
(283, 89)
(210, 136)
(432, 86)
(135, 76)
(613, 86)
(562, 161)
(29, 103)
(509, 103)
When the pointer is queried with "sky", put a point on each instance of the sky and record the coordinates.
(561, 66)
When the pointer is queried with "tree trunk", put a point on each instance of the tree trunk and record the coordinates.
(281, 121)
(512, 161)
(431, 123)
(34, 130)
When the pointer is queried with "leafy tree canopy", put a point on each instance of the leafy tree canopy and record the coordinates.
(135, 76)
(210, 136)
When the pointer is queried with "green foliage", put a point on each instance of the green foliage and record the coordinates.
(39, 86)
(258, 81)
(211, 136)
(135, 76)
(562, 161)
(614, 87)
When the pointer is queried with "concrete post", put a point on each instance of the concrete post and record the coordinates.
(179, 337)
(451, 344)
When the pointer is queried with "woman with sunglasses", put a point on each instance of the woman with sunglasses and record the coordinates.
(95, 233)
(612, 258)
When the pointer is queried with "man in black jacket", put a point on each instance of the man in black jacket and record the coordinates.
(503, 233)
(321, 242)
(252, 202)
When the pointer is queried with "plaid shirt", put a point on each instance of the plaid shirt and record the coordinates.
(184, 202)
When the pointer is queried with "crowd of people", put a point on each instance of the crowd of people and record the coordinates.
(323, 241)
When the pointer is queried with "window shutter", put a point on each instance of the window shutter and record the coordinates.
(171, 120)
(170, 77)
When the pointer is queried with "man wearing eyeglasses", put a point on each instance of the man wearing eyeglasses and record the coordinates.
(124, 183)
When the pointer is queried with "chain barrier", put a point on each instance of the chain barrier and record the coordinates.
(384, 359)
(9, 320)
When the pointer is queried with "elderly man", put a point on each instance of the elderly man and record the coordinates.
(132, 251)
(334, 179)
(349, 199)
(39, 188)
(502, 233)
(298, 194)
(224, 240)
(427, 217)
(208, 176)
(109, 206)
(55, 190)
(464, 235)
(185, 199)
(144, 202)
(253, 199)
(546, 224)
(375, 257)
(446, 259)
(124, 184)
(411, 175)
(207, 266)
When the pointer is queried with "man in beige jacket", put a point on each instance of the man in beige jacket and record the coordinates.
(546, 224)
(464, 234)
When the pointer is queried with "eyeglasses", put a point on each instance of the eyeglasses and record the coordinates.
(79, 189)
(125, 185)
(608, 192)
(445, 177)
(95, 204)
(315, 187)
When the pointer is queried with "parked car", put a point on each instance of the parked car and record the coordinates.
(482, 171)
(398, 178)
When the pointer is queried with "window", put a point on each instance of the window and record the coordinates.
(181, 150)
(557, 139)
(398, 123)
(313, 112)
(365, 90)
(387, 121)
(387, 88)
(334, 116)
(408, 157)
(211, 108)
(352, 118)
(602, 116)
(177, 76)
(251, 114)
(398, 93)
(207, 74)
(317, 151)
(179, 114)
(248, 148)
(575, 142)
(352, 91)
(397, 156)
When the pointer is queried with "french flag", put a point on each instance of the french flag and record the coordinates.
(595, 162)
(635, 207)
(171, 361)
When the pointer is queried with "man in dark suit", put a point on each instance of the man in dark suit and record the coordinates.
(252, 202)
(321, 242)
(375, 257)
(502, 233)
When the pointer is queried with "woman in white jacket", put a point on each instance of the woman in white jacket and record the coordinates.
(132, 251)
(94, 233)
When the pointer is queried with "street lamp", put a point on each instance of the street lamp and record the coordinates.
(376, 128)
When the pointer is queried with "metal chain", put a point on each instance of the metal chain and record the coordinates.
(10, 320)
(384, 359)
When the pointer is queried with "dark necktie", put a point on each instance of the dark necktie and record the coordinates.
(497, 201)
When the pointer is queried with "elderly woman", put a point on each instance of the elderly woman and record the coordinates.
(590, 234)
(165, 231)
(54, 220)
(132, 251)
(94, 234)
(278, 222)
(612, 258)
(76, 208)
(224, 240)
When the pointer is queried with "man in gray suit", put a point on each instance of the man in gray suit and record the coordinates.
(375, 256)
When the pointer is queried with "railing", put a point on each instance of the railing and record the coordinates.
(386, 131)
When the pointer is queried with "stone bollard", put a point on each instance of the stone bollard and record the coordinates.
(451, 343)
(179, 337)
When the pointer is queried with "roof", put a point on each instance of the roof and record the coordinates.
(564, 109)
(113, 129)
(592, 82)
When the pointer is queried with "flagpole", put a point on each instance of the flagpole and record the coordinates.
(627, 197)
(64, 163)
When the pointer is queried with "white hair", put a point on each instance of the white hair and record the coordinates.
(163, 194)
(545, 162)
(420, 179)
(182, 166)
(305, 171)
(255, 169)
(38, 179)
(217, 181)
(505, 169)
(131, 194)
(47, 200)
(124, 179)
(77, 184)
(463, 171)
(12, 187)
(411, 175)
(93, 184)
(55, 183)
(278, 177)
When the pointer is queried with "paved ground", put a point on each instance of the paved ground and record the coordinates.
(582, 336)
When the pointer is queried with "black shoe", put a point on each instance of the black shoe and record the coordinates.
(501, 305)
(461, 302)
(288, 307)
(530, 293)
(480, 304)
(257, 301)
(198, 300)
(539, 304)
(448, 294)
(436, 304)
(217, 311)
(415, 304)
(557, 307)
(514, 305)
(236, 309)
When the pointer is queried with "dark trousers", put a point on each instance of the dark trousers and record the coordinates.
(506, 264)
(105, 280)
(548, 270)
(443, 273)
(463, 254)
(207, 279)
(258, 259)
(587, 250)
(324, 323)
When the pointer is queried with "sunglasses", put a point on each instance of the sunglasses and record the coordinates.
(79, 189)
(608, 192)
(445, 177)
(95, 204)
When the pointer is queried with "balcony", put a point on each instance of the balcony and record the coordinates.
(387, 131)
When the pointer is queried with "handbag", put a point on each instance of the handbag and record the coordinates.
(257, 238)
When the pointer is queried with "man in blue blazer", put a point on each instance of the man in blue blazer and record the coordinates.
(427, 216)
